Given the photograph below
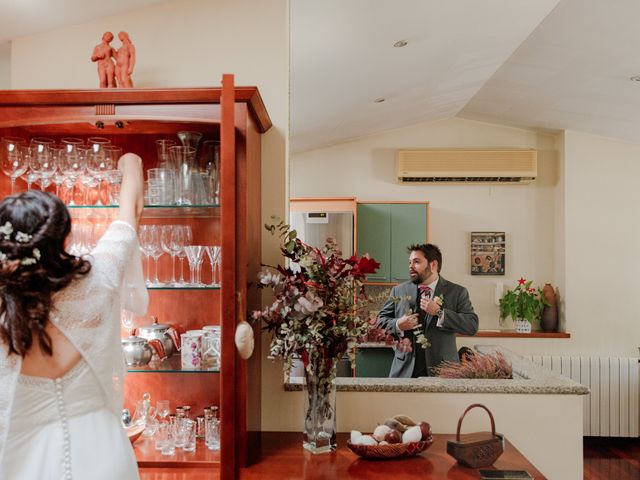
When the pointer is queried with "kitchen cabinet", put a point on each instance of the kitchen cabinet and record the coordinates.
(385, 230)
(133, 119)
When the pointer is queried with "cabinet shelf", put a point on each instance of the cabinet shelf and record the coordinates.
(148, 456)
(207, 287)
(150, 211)
(173, 364)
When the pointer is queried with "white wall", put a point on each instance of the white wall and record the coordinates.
(187, 43)
(574, 227)
(5, 66)
(603, 239)
(365, 168)
(183, 43)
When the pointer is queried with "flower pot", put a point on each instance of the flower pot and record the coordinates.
(522, 326)
(319, 434)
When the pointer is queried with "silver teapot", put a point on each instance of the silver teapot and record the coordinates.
(163, 332)
(137, 351)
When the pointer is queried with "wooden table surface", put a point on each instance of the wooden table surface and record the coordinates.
(283, 458)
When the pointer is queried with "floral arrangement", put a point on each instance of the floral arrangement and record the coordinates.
(319, 302)
(476, 365)
(317, 314)
(522, 303)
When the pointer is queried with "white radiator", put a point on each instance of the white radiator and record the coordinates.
(612, 408)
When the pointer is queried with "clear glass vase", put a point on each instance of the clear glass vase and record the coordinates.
(319, 434)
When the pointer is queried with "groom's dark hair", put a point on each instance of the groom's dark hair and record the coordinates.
(430, 251)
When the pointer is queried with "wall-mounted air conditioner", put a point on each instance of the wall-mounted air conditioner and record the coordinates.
(503, 166)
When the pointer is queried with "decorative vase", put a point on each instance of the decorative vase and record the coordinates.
(549, 320)
(522, 326)
(319, 434)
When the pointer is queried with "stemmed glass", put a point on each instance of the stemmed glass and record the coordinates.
(173, 241)
(42, 161)
(195, 254)
(72, 165)
(188, 238)
(98, 164)
(151, 246)
(213, 252)
(12, 159)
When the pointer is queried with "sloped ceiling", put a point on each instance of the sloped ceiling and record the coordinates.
(343, 58)
(572, 73)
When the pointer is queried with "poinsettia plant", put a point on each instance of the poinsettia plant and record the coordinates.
(319, 309)
(523, 302)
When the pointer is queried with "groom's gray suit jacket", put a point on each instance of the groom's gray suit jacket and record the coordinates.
(459, 317)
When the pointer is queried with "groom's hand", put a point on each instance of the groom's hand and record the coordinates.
(408, 322)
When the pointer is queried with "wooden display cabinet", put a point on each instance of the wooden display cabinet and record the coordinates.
(134, 119)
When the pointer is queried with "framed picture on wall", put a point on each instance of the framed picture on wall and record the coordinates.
(487, 253)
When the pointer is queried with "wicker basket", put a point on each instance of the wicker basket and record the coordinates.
(392, 450)
(476, 450)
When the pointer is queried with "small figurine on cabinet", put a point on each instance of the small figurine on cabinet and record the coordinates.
(125, 61)
(103, 54)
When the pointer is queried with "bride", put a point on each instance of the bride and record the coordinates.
(61, 365)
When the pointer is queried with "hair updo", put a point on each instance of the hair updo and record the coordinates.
(33, 266)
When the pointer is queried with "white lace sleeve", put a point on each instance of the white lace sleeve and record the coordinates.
(118, 263)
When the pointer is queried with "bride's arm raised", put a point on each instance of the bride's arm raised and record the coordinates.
(131, 199)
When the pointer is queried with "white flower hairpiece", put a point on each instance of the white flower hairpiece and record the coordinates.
(6, 230)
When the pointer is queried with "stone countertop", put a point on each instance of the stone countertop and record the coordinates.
(528, 379)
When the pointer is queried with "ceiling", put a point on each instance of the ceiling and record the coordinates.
(544, 64)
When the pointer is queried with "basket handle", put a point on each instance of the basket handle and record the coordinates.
(493, 424)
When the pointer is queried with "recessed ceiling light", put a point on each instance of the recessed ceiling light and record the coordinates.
(400, 43)
(379, 100)
(635, 78)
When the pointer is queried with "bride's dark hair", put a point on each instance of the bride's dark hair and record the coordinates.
(33, 266)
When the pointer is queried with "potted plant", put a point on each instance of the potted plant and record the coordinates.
(523, 304)
(317, 314)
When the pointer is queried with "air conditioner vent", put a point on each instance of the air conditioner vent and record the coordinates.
(506, 166)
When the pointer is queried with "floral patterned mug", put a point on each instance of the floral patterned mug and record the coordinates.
(191, 350)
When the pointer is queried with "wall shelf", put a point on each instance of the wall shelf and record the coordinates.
(514, 334)
(148, 456)
(172, 364)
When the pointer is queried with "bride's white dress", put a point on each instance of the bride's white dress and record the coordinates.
(69, 428)
(65, 430)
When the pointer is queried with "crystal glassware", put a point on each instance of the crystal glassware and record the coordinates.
(12, 158)
(194, 256)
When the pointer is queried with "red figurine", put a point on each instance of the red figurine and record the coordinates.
(103, 54)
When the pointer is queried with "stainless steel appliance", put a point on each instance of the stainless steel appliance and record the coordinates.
(314, 227)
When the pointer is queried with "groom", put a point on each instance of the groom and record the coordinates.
(439, 309)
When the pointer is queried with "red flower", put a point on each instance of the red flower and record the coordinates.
(365, 264)
(522, 281)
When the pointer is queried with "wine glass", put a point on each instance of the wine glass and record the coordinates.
(151, 246)
(213, 252)
(12, 159)
(72, 165)
(188, 238)
(194, 256)
(172, 238)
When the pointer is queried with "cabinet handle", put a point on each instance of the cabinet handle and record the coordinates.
(400, 278)
(375, 277)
